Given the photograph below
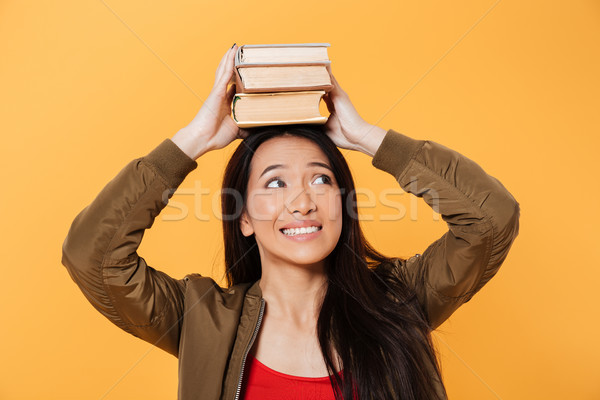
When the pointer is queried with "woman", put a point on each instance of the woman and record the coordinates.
(311, 309)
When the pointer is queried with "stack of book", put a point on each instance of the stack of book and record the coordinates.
(280, 84)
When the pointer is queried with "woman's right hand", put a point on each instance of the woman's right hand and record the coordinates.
(213, 128)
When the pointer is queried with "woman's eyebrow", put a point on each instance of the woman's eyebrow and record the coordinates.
(310, 164)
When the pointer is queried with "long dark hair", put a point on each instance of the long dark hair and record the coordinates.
(369, 314)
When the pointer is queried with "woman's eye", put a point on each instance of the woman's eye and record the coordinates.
(326, 179)
(277, 182)
(274, 180)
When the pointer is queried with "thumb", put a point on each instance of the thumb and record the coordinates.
(336, 85)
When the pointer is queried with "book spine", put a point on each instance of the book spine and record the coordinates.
(242, 89)
(290, 45)
(282, 64)
(238, 56)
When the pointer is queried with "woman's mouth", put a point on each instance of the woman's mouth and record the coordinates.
(302, 233)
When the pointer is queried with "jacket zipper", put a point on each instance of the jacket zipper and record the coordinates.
(260, 316)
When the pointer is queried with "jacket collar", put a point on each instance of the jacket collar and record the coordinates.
(255, 290)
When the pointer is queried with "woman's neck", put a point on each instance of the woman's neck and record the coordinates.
(294, 293)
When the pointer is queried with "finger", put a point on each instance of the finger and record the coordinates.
(337, 88)
(227, 69)
(333, 80)
(336, 84)
(222, 64)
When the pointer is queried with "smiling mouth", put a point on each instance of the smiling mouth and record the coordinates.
(300, 231)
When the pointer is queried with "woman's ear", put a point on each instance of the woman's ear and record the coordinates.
(245, 224)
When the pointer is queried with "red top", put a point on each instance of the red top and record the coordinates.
(264, 383)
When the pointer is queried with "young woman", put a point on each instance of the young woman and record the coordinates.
(311, 310)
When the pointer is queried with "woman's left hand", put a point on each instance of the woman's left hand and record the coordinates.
(345, 126)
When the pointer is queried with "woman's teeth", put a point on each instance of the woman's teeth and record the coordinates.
(300, 231)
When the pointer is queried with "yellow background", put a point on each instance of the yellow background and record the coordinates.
(89, 85)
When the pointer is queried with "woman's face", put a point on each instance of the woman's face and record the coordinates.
(291, 184)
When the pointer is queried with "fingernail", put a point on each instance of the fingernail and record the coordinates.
(233, 46)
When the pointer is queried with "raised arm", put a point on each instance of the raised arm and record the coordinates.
(100, 251)
(482, 218)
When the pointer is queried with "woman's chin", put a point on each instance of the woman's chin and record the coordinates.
(306, 258)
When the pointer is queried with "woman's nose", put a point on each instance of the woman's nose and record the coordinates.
(301, 201)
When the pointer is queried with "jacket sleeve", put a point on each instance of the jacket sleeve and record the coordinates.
(100, 250)
(482, 218)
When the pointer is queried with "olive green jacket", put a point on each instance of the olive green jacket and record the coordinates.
(209, 328)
